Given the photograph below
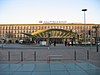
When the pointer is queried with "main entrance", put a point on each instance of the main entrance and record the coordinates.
(57, 40)
(53, 35)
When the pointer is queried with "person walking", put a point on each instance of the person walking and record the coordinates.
(54, 43)
(65, 43)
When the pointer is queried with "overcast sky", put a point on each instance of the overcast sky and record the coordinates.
(33, 11)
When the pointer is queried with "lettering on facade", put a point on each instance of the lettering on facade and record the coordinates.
(53, 22)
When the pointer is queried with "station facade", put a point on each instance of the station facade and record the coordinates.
(82, 32)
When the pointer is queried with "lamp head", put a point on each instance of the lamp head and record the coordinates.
(84, 9)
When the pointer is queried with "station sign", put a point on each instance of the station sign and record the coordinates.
(53, 22)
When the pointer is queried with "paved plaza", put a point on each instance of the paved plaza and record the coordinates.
(21, 60)
(49, 69)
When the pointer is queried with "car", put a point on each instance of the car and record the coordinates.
(98, 43)
(43, 43)
(21, 41)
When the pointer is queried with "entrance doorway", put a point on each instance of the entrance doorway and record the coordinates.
(57, 40)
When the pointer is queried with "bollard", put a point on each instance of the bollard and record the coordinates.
(87, 54)
(8, 55)
(74, 55)
(48, 59)
(48, 47)
(21, 56)
(2, 46)
(34, 55)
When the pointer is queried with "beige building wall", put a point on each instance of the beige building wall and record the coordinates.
(15, 30)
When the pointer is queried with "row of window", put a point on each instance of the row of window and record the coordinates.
(16, 36)
(17, 31)
(31, 31)
(42, 27)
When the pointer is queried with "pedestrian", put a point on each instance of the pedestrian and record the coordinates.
(54, 43)
(65, 43)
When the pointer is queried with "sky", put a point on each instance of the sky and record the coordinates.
(33, 11)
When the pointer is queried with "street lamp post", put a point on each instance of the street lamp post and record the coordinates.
(48, 40)
(2, 43)
(96, 38)
(84, 25)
